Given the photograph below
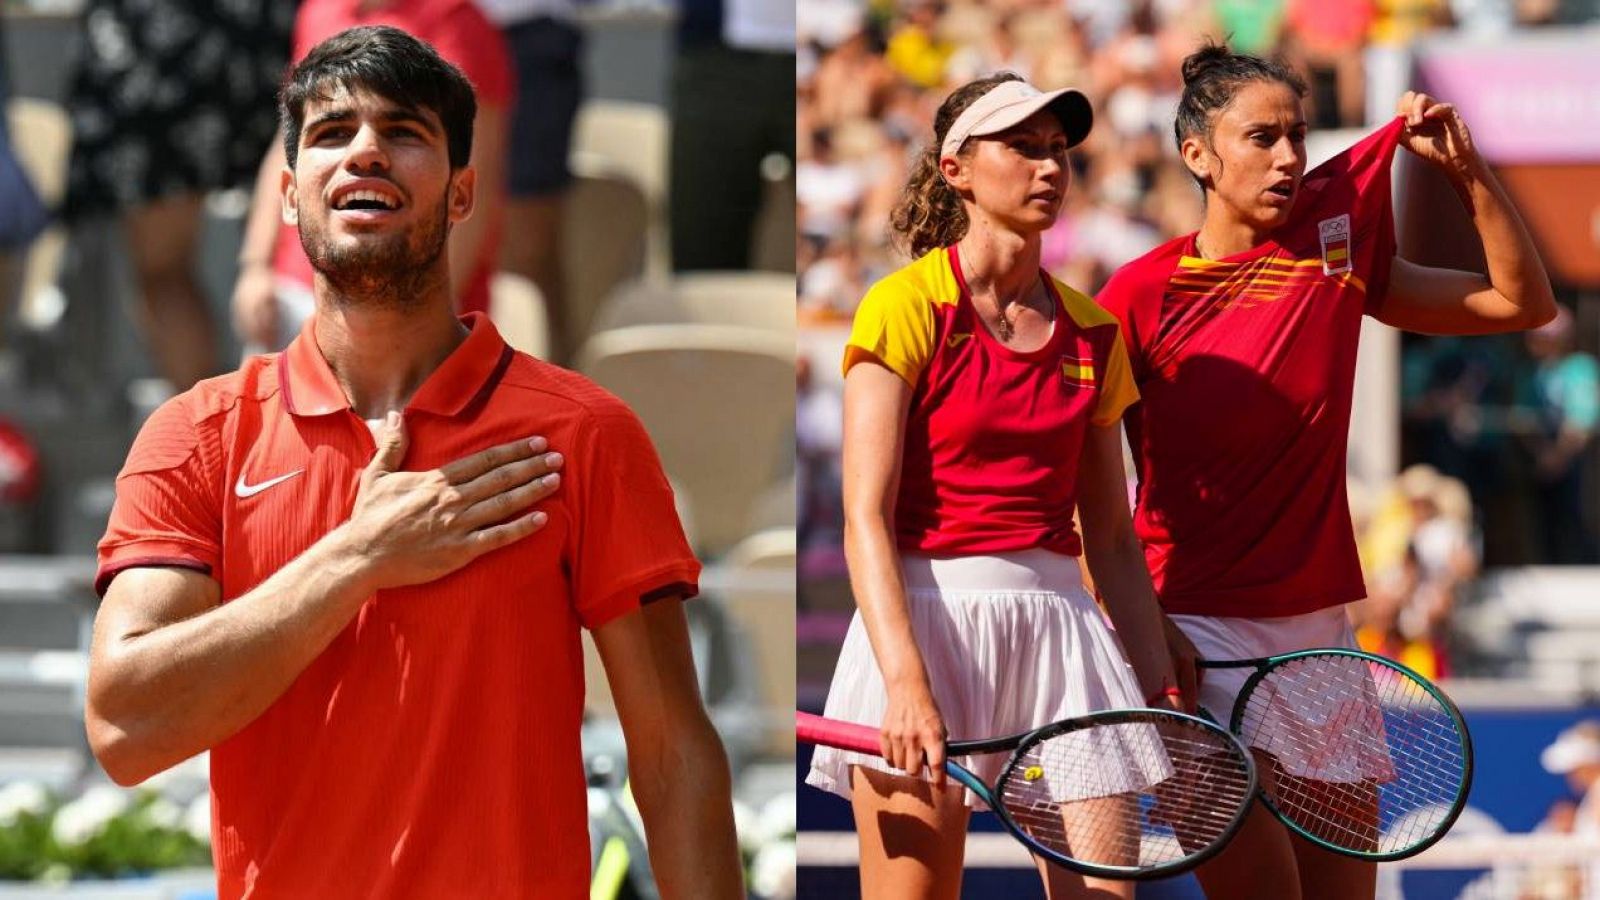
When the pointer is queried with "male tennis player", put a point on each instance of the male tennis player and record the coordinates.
(356, 571)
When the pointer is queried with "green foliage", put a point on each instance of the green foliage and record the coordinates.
(145, 836)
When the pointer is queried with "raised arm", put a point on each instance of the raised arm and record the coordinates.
(676, 765)
(1515, 295)
(173, 670)
(1116, 560)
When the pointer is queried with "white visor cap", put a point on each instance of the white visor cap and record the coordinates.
(1010, 103)
(1577, 746)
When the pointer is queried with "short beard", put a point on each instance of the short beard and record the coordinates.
(398, 272)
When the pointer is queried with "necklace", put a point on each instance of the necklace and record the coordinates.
(1008, 328)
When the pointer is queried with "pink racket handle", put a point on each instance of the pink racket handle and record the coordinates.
(831, 733)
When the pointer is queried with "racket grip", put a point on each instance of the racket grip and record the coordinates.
(833, 733)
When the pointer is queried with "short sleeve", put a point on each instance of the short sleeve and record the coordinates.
(1133, 296)
(894, 327)
(626, 547)
(167, 509)
(1117, 390)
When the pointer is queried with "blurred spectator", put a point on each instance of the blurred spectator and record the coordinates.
(1419, 556)
(172, 99)
(1563, 390)
(916, 50)
(819, 435)
(1575, 755)
(1454, 396)
(22, 215)
(732, 106)
(1328, 38)
(20, 478)
(546, 48)
(1553, 881)
(272, 296)
(1251, 26)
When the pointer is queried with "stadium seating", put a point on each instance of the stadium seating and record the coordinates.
(517, 308)
(763, 300)
(762, 608)
(606, 220)
(713, 400)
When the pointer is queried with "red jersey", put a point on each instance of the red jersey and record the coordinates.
(464, 37)
(432, 750)
(993, 436)
(1246, 368)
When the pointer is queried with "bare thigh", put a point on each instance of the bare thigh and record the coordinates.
(1096, 831)
(913, 836)
(1259, 863)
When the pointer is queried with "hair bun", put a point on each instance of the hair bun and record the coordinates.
(1196, 63)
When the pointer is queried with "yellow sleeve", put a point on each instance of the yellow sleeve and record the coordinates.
(1117, 390)
(894, 328)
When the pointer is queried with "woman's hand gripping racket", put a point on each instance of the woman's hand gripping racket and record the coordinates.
(1125, 794)
(1368, 758)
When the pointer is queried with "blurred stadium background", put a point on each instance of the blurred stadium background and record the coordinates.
(705, 358)
(1475, 480)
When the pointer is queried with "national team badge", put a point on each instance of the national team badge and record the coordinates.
(1335, 234)
(1077, 371)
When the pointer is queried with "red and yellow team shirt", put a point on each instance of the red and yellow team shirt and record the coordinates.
(432, 750)
(993, 436)
(1246, 370)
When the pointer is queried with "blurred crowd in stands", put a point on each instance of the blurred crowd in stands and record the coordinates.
(1510, 421)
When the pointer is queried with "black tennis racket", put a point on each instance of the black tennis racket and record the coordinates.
(1123, 794)
(1369, 759)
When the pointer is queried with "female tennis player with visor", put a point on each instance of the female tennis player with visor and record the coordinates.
(1242, 340)
(981, 406)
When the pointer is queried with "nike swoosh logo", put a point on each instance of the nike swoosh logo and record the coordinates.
(242, 490)
(956, 339)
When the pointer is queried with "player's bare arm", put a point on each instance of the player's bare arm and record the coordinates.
(173, 670)
(676, 764)
(1515, 294)
(1116, 560)
(255, 311)
(876, 402)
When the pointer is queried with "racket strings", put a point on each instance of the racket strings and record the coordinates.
(1134, 794)
(1364, 756)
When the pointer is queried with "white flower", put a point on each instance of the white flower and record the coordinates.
(163, 813)
(772, 873)
(22, 798)
(745, 824)
(197, 821)
(80, 821)
(107, 800)
(778, 818)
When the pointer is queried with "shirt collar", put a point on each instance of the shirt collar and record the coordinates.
(469, 372)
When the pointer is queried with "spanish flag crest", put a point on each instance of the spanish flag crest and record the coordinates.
(1335, 234)
(1077, 371)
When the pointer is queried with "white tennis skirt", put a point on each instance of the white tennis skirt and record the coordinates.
(1339, 750)
(1011, 642)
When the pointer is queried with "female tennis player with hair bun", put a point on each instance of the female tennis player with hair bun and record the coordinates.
(1242, 340)
(981, 406)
